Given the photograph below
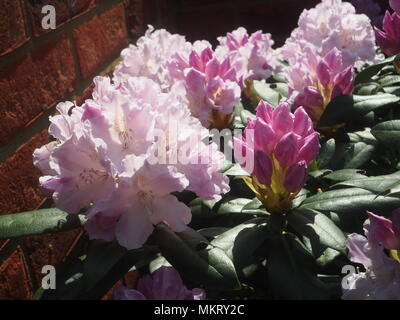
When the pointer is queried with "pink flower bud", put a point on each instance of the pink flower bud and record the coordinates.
(262, 167)
(344, 83)
(286, 151)
(264, 111)
(310, 148)
(314, 81)
(296, 177)
(323, 73)
(264, 137)
(389, 39)
(302, 124)
(284, 143)
(282, 120)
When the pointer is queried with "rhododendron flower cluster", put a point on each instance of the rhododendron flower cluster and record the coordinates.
(253, 53)
(379, 253)
(211, 84)
(151, 55)
(333, 24)
(314, 81)
(282, 144)
(164, 284)
(120, 156)
(389, 39)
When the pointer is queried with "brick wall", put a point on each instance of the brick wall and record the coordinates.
(39, 68)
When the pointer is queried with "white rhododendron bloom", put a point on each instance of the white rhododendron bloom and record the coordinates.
(333, 24)
(122, 154)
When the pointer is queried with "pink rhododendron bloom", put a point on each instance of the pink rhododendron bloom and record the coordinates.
(314, 81)
(389, 39)
(151, 55)
(381, 280)
(281, 144)
(164, 284)
(395, 5)
(212, 84)
(122, 154)
(333, 24)
(251, 54)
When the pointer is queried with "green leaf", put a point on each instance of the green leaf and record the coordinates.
(38, 222)
(346, 108)
(318, 228)
(300, 197)
(271, 93)
(208, 266)
(93, 274)
(236, 205)
(388, 133)
(326, 154)
(291, 270)
(347, 207)
(376, 184)
(245, 115)
(237, 119)
(352, 155)
(241, 244)
(345, 174)
(323, 254)
(234, 169)
(157, 263)
(367, 74)
(389, 80)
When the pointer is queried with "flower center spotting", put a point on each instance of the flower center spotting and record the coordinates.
(145, 196)
(91, 176)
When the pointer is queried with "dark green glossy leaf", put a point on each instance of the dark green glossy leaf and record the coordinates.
(317, 227)
(388, 133)
(346, 174)
(38, 222)
(375, 184)
(291, 270)
(344, 109)
(347, 207)
(367, 74)
(209, 266)
(241, 243)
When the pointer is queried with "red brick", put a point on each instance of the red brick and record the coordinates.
(34, 8)
(14, 281)
(55, 71)
(79, 7)
(12, 26)
(100, 38)
(35, 82)
(19, 185)
(50, 249)
(114, 28)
